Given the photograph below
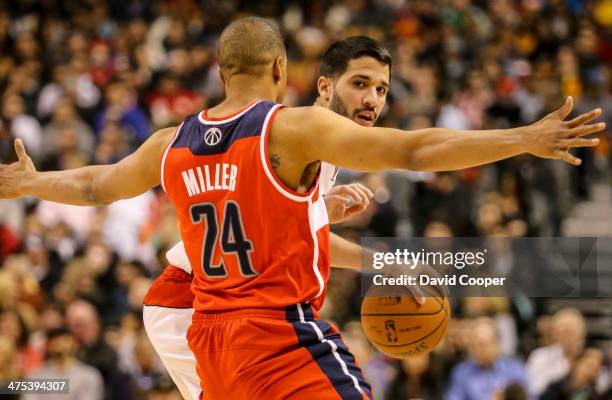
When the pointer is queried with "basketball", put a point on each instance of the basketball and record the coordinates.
(398, 326)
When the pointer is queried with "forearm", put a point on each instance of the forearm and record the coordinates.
(75, 186)
(439, 149)
(345, 254)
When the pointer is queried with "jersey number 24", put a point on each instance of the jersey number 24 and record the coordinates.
(233, 238)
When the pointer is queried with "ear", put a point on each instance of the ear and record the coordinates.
(221, 78)
(324, 87)
(278, 68)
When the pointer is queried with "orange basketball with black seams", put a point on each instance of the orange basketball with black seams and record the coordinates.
(401, 328)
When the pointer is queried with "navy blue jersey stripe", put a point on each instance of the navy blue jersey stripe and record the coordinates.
(323, 354)
(348, 357)
(204, 139)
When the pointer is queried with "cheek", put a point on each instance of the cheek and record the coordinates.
(353, 99)
(383, 102)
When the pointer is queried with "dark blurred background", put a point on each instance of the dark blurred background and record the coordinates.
(86, 82)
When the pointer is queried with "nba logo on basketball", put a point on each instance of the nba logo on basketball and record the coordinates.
(391, 332)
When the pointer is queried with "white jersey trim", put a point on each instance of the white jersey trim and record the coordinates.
(319, 214)
(313, 216)
(263, 155)
(177, 257)
(327, 177)
(226, 120)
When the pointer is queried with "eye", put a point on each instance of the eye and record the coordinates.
(359, 84)
(381, 90)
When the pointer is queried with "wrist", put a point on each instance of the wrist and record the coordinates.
(26, 184)
(521, 139)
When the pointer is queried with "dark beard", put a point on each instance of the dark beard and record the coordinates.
(337, 105)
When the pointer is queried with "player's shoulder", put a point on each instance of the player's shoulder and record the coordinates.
(157, 142)
(303, 112)
(300, 120)
(165, 136)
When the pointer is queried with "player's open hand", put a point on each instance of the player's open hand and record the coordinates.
(344, 201)
(13, 176)
(553, 136)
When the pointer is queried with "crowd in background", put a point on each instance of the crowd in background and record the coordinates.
(85, 82)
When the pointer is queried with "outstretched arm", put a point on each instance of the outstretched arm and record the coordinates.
(91, 185)
(315, 133)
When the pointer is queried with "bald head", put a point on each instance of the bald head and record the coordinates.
(83, 321)
(248, 45)
(569, 330)
(483, 345)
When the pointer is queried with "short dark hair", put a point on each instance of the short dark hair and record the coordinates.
(337, 56)
(249, 43)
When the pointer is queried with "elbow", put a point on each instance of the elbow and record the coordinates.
(92, 199)
(414, 161)
(96, 197)
(412, 155)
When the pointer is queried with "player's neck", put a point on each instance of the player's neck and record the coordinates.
(320, 102)
(242, 91)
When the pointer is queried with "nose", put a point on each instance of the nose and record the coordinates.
(370, 99)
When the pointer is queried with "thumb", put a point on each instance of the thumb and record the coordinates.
(418, 295)
(566, 109)
(20, 150)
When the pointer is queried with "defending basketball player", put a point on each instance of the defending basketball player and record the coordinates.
(352, 72)
(243, 176)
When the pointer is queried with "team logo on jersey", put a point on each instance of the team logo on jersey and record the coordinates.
(212, 136)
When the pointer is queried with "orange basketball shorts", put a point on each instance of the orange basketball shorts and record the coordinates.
(268, 354)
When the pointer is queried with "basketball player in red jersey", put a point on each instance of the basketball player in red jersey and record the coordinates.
(243, 176)
(353, 72)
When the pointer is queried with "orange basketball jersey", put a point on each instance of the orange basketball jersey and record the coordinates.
(252, 241)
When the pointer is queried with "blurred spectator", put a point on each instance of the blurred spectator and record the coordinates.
(122, 109)
(497, 308)
(171, 102)
(13, 326)
(51, 317)
(548, 364)
(146, 371)
(8, 359)
(84, 324)
(486, 371)
(70, 80)
(442, 198)
(66, 132)
(85, 382)
(418, 378)
(113, 145)
(124, 224)
(22, 125)
(581, 381)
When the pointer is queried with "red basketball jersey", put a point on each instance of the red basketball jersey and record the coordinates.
(252, 241)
